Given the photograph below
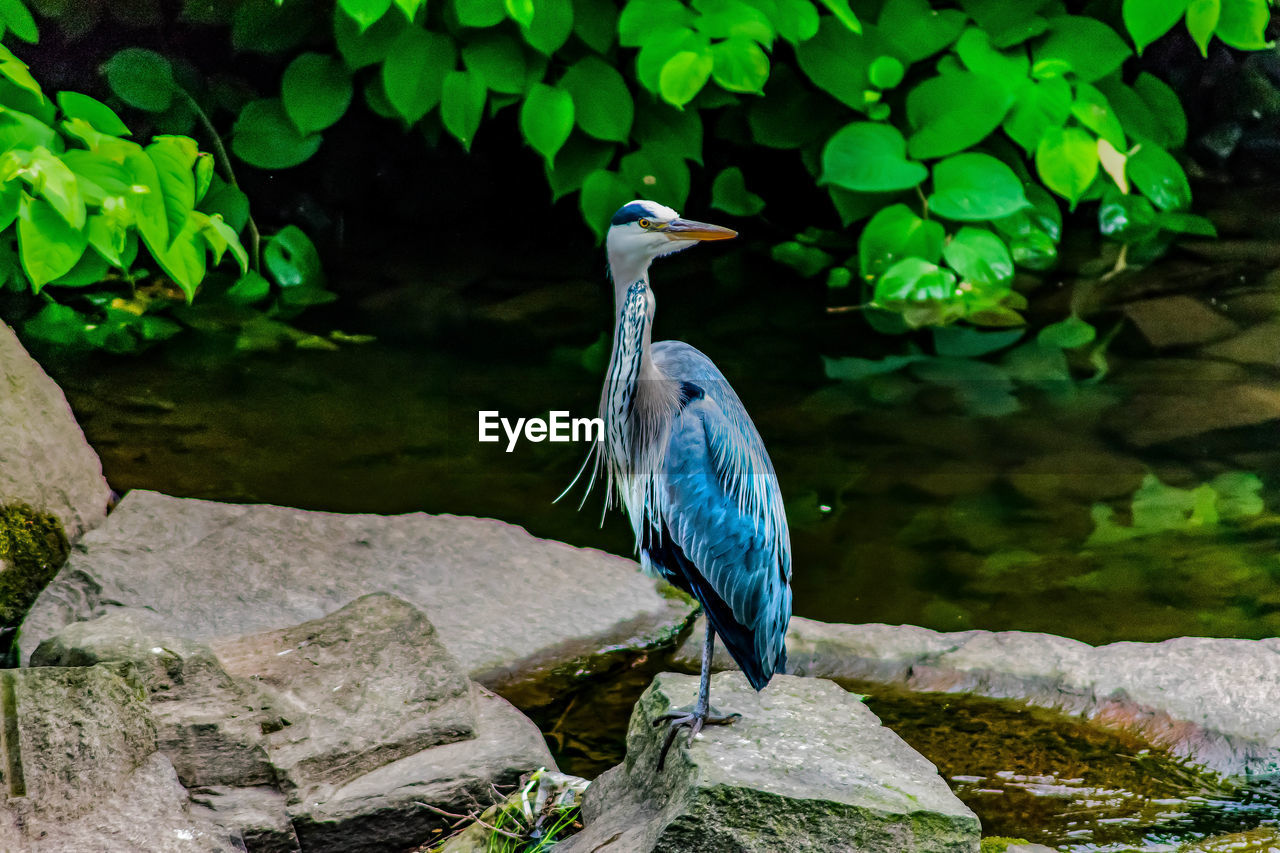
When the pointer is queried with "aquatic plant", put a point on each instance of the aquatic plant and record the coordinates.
(954, 129)
(537, 816)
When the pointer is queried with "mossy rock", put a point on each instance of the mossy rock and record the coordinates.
(999, 844)
(33, 547)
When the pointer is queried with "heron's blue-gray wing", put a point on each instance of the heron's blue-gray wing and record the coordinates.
(723, 511)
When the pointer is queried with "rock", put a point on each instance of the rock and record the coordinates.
(45, 462)
(209, 724)
(383, 810)
(1174, 321)
(82, 771)
(524, 616)
(1258, 344)
(329, 735)
(1209, 701)
(257, 816)
(1260, 840)
(807, 768)
(355, 690)
(33, 547)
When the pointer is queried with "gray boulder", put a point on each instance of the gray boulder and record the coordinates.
(45, 462)
(807, 768)
(82, 770)
(1209, 701)
(526, 617)
(345, 733)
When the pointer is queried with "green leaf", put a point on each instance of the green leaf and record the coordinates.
(1040, 107)
(784, 118)
(18, 20)
(51, 179)
(551, 26)
(1165, 106)
(1089, 47)
(90, 269)
(679, 131)
(836, 60)
(963, 342)
(1067, 162)
(895, 233)
(292, 259)
(15, 71)
(47, 244)
(653, 173)
(1067, 334)
(1243, 24)
(100, 116)
(250, 288)
(462, 105)
(642, 20)
(109, 235)
(1202, 20)
(886, 72)
(500, 61)
(1092, 109)
(854, 206)
(10, 200)
(546, 119)
(868, 157)
(1128, 218)
(739, 65)
(914, 280)
(184, 258)
(479, 13)
(602, 105)
(916, 30)
(520, 11)
(657, 50)
(362, 47)
(724, 19)
(979, 257)
(316, 91)
(808, 261)
(842, 13)
(797, 20)
(271, 28)
(220, 236)
(410, 7)
(264, 136)
(729, 193)
(141, 78)
(1186, 223)
(414, 71)
(684, 75)
(952, 112)
(578, 158)
(978, 55)
(596, 23)
(174, 158)
(229, 202)
(603, 192)
(365, 12)
(1147, 20)
(975, 187)
(1158, 175)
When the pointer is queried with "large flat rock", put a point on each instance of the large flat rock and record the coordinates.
(1213, 702)
(808, 767)
(522, 615)
(45, 461)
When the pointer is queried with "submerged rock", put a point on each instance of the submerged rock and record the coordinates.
(524, 616)
(807, 768)
(45, 462)
(1207, 700)
(345, 733)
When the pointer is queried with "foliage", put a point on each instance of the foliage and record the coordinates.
(1160, 508)
(954, 129)
(534, 819)
(981, 388)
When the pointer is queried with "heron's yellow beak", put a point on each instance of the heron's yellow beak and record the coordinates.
(687, 229)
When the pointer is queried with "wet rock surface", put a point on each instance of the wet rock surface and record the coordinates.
(45, 462)
(341, 733)
(1210, 701)
(495, 594)
(807, 768)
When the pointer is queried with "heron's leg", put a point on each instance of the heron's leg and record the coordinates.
(702, 713)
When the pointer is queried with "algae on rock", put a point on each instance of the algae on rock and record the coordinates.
(33, 546)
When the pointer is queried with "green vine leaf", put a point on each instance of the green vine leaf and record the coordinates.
(1147, 20)
(265, 137)
(141, 78)
(414, 71)
(365, 12)
(1067, 162)
(684, 75)
(546, 119)
(602, 104)
(462, 105)
(316, 90)
(729, 193)
(868, 157)
(975, 187)
(48, 245)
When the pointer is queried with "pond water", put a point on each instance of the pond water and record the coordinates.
(1020, 491)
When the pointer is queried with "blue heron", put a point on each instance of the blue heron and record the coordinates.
(685, 460)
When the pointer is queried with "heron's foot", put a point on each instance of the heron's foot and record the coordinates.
(688, 717)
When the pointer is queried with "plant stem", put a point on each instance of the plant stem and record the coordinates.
(223, 160)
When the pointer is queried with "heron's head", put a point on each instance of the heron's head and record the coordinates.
(643, 230)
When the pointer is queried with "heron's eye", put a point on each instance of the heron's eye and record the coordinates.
(644, 223)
